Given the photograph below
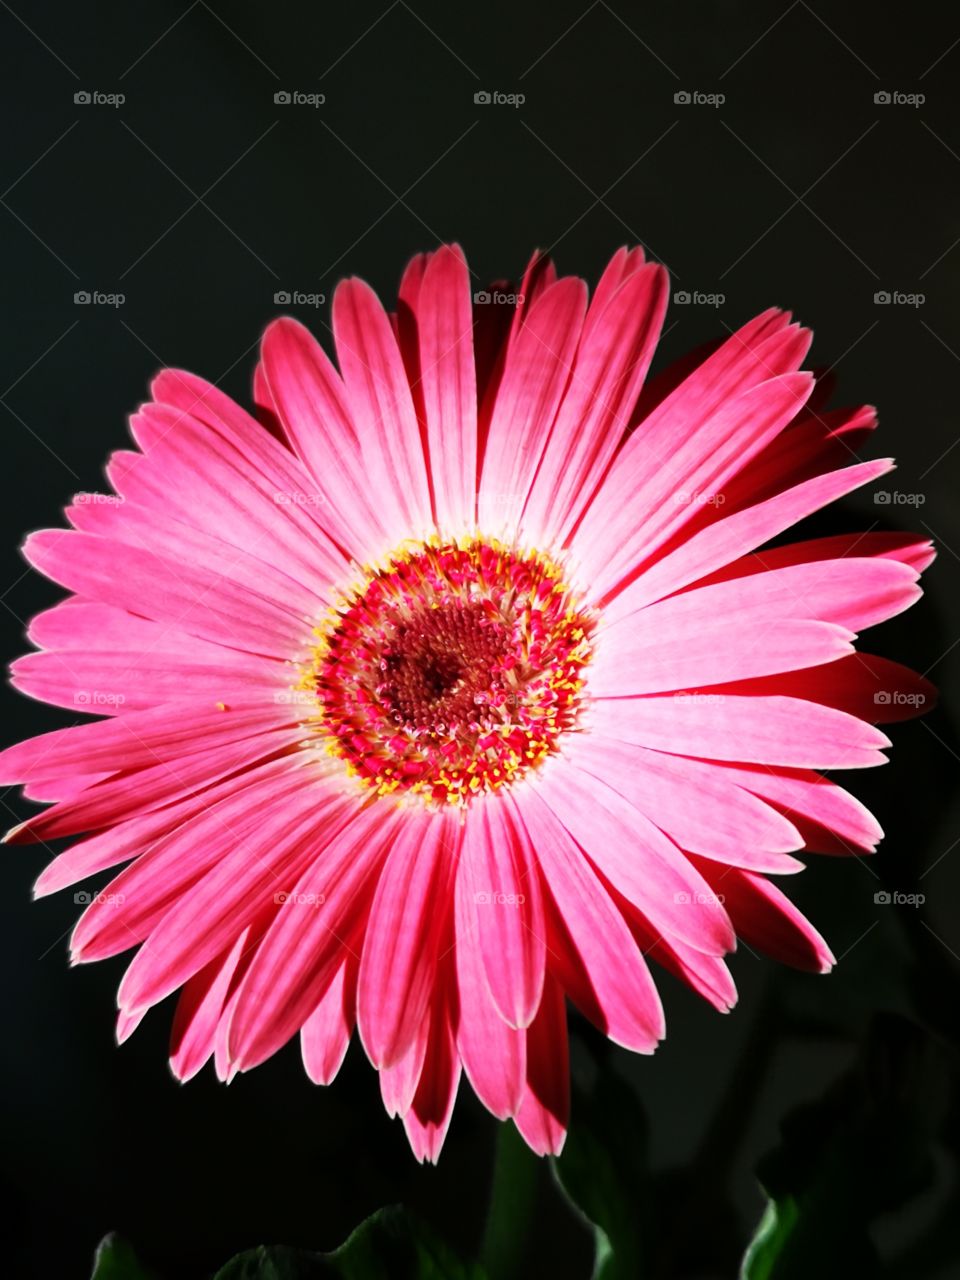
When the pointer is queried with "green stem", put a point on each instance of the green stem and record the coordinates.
(513, 1193)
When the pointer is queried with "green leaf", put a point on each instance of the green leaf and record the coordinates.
(389, 1245)
(603, 1171)
(115, 1260)
(863, 1149)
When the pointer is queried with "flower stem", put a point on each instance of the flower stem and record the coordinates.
(514, 1186)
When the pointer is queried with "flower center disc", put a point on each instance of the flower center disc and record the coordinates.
(451, 670)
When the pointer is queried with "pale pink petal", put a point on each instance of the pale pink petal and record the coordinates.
(204, 602)
(138, 740)
(727, 822)
(763, 730)
(675, 646)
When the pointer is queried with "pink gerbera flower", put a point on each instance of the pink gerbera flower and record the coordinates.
(456, 686)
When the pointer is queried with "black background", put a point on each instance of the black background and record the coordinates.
(198, 199)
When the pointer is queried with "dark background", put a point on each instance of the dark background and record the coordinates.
(198, 199)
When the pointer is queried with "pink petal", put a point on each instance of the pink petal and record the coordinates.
(325, 1036)
(448, 385)
(766, 919)
(829, 819)
(498, 879)
(590, 949)
(635, 856)
(130, 795)
(667, 474)
(427, 1120)
(862, 685)
(199, 1008)
(245, 827)
(545, 1107)
(407, 917)
(537, 370)
(764, 730)
(382, 410)
(492, 1052)
(137, 740)
(321, 921)
(726, 539)
(608, 372)
(199, 600)
(313, 407)
(694, 803)
(673, 645)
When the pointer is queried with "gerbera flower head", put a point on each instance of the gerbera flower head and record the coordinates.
(460, 682)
